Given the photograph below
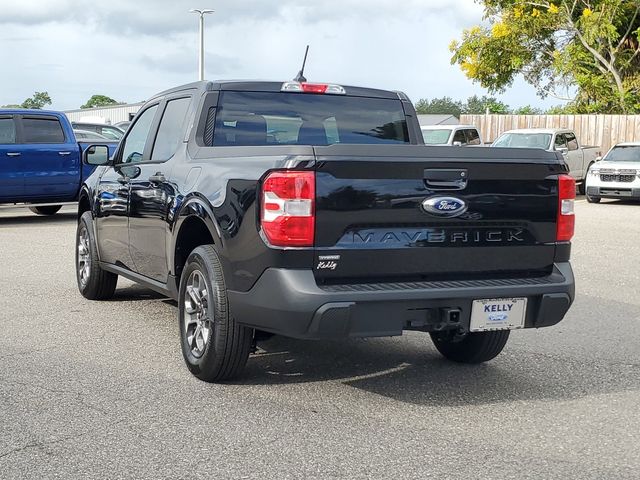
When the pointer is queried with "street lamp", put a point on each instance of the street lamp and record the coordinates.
(202, 13)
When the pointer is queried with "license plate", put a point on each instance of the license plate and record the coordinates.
(498, 314)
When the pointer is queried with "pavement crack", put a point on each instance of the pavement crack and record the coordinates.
(55, 441)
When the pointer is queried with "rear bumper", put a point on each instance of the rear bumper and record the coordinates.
(289, 302)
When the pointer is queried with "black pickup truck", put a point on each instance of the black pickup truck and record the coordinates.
(315, 211)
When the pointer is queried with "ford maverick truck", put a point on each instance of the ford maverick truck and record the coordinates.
(315, 211)
(40, 160)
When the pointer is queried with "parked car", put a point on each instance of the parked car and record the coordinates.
(88, 135)
(123, 125)
(579, 158)
(108, 131)
(454, 135)
(40, 160)
(346, 225)
(617, 175)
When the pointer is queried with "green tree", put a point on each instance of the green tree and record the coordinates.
(478, 105)
(592, 46)
(561, 110)
(38, 101)
(528, 110)
(100, 101)
(444, 105)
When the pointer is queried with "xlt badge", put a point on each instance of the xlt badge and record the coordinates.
(444, 206)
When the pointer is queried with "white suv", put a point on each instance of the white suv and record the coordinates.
(617, 175)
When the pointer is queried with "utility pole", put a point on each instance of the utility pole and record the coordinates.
(202, 13)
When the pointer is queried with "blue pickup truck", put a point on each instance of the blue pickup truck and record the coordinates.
(40, 160)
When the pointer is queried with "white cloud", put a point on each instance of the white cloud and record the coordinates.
(131, 50)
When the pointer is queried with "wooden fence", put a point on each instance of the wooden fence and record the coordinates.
(601, 130)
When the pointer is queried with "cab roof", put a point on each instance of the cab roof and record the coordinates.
(273, 86)
(28, 111)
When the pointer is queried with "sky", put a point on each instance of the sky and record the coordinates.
(131, 49)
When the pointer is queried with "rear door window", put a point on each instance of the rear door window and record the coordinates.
(42, 130)
(170, 132)
(276, 118)
(7, 131)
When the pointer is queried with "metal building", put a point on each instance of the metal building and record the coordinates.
(444, 119)
(108, 115)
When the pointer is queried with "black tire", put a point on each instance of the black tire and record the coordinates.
(593, 199)
(475, 347)
(98, 284)
(582, 186)
(47, 210)
(224, 352)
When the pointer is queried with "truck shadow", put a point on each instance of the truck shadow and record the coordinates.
(409, 369)
(135, 292)
(413, 372)
(26, 219)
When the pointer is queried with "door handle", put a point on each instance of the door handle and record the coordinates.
(13, 154)
(157, 178)
(64, 153)
(446, 179)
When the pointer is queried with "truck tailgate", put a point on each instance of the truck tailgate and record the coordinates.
(372, 224)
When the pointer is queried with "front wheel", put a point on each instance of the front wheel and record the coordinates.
(214, 346)
(46, 210)
(94, 283)
(582, 186)
(473, 347)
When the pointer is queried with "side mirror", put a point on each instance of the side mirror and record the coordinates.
(457, 144)
(96, 155)
(598, 159)
(563, 150)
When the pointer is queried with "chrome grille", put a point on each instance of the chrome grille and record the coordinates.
(617, 178)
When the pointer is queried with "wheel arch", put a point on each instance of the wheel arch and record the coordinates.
(84, 204)
(195, 225)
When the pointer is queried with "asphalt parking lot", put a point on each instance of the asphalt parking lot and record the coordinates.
(99, 389)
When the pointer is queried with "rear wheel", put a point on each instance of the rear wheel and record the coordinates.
(474, 347)
(214, 346)
(46, 210)
(94, 283)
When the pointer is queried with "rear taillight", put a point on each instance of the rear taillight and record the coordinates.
(566, 203)
(288, 208)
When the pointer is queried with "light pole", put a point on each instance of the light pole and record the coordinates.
(202, 13)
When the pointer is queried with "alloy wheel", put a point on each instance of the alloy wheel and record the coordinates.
(198, 321)
(84, 256)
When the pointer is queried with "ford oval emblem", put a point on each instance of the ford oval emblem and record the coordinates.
(444, 206)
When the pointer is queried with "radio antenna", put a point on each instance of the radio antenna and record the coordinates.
(301, 77)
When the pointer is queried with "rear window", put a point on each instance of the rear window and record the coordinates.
(42, 130)
(436, 137)
(268, 118)
(524, 140)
